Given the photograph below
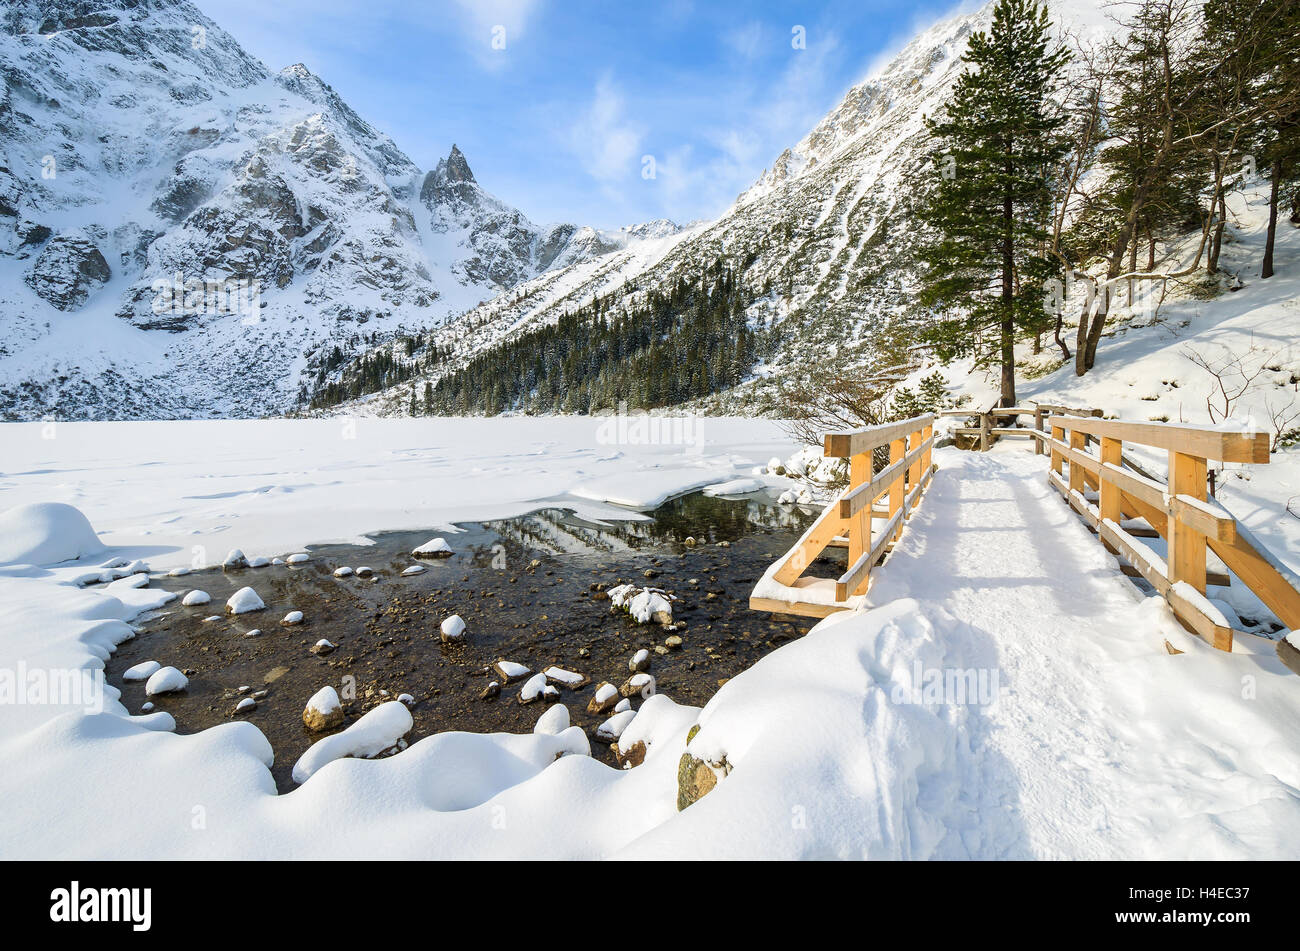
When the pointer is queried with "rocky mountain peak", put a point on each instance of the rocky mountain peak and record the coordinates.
(455, 168)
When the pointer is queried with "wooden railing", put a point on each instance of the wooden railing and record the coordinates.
(987, 421)
(847, 521)
(1178, 510)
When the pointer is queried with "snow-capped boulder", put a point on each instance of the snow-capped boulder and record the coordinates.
(509, 671)
(292, 619)
(537, 688)
(246, 705)
(453, 629)
(298, 558)
(640, 662)
(46, 533)
(638, 685)
(235, 559)
(342, 572)
(195, 598)
(243, 601)
(566, 678)
(613, 728)
(324, 711)
(605, 698)
(434, 548)
(413, 570)
(142, 671)
(323, 647)
(643, 605)
(166, 680)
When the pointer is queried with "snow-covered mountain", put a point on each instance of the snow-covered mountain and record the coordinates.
(184, 232)
(822, 239)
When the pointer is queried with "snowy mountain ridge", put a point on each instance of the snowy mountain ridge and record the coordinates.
(144, 150)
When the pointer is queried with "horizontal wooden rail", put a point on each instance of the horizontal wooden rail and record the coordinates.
(857, 441)
(1200, 441)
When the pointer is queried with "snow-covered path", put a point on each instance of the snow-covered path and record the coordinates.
(1114, 747)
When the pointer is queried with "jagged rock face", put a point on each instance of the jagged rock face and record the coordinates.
(502, 247)
(68, 270)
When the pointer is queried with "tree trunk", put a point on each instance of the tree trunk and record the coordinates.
(1218, 215)
(1266, 269)
(1008, 342)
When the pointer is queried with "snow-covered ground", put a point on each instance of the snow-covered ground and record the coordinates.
(182, 494)
(1078, 735)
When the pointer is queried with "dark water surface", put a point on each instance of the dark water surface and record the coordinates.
(531, 590)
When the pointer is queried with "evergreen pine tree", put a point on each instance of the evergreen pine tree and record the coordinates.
(988, 199)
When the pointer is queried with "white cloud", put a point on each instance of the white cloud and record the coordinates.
(606, 143)
(491, 26)
(745, 41)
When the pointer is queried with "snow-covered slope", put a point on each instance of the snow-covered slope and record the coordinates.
(822, 240)
(184, 232)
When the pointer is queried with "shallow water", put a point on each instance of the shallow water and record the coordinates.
(530, 590)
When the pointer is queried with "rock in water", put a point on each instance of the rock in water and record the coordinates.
(243, 601)
(434, 548)
(195, 598)
(323, 711)
(605, 699)
(235, 559)
(453, 629)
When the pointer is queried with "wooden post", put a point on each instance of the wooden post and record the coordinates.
(1058, 434)
(1038, 425)
(1186, 546)
(1079, 442)
(985, 442)
(914, 471)
(897, 450)
(926, 435)
(1110, 504)
(860, 472)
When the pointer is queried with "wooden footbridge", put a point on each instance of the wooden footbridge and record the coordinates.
(1122, 502)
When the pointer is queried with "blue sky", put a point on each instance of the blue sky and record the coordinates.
(560, 121)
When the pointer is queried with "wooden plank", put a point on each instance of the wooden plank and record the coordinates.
(1058, 439)
(1200, 441)
(914, 471)
(799, 608)
(859, 528)
(828, 525)
(1112, 453)
(1259, 573)
(897, 453)
(840, 445)
(1198, 623)
(1077, 466)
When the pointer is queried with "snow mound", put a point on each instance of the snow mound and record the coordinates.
(46, 533)
(375, 732)
(195, 598)
(554, 721)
